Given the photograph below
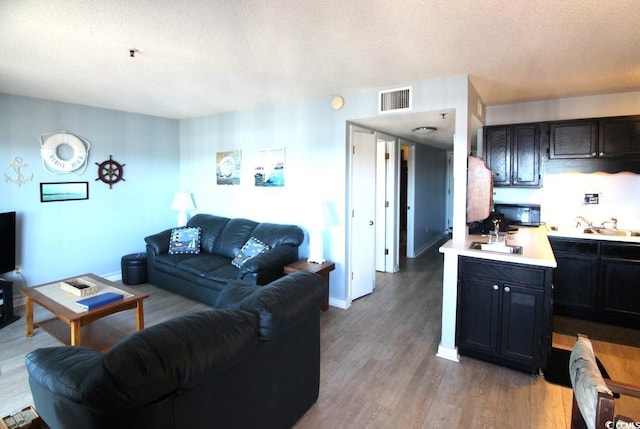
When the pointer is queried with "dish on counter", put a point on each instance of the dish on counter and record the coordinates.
(496, 247)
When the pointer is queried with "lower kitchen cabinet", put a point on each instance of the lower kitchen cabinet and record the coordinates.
(619, 285)
(504, 313)
(575, 278)
(597, 280)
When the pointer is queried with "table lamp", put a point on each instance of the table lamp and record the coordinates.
(183, 202)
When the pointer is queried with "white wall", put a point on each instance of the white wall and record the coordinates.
(62, 239)
(592, 106)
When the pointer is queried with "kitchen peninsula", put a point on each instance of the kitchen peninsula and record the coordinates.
(504, 300)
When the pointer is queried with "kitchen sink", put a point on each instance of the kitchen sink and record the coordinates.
(496, 247)
(611, 231)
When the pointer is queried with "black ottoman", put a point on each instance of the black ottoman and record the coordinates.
(134, 268)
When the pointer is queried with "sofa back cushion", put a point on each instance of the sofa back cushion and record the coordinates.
(279, 305)
(211, 226)
(233, 237)
(180, 353)
(275, 234)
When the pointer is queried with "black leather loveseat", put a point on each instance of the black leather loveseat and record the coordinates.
(203, 275)
(254, 362)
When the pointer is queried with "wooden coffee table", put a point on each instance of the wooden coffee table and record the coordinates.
(70, 318)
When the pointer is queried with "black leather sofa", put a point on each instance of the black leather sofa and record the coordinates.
(253, 362)
(204, 275)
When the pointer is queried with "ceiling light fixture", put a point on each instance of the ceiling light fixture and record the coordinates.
(423, 131)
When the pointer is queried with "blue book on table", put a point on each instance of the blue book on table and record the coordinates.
(98, 300)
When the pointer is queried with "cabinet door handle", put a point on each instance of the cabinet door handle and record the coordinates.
(495, 287)
(507, 289)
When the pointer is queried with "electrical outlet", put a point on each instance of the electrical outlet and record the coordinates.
(591, 198)
(18, 269)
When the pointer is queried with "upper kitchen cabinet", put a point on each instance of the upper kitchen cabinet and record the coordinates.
(573, 139)
(512, 152)
(620, 137)
(616, 137)
(609, 145)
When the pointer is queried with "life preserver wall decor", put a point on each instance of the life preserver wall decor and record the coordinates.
(53, 144)
(110, 171)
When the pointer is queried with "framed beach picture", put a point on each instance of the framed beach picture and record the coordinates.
(63, 191)
(228, 167)
(269, 170)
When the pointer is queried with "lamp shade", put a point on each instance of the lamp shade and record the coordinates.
(183, 201)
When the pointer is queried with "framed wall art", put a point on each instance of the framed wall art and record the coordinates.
(269, 170)
(63, 191)
(228, 167)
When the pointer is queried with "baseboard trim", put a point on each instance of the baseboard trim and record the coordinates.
(340, 303)
(448, 353)
(437, 240)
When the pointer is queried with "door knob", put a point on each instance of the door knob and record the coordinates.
(370, 222)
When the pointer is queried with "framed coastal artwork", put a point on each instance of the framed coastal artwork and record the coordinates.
(269, 170)
(63, 191)
(228, 167)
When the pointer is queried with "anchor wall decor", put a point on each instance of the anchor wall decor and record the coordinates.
(20, 179)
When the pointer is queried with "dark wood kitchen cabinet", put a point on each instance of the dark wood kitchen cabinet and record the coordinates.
(620, 137)
(619, 274)
(615, 137)
(504, 313)
(575, 278)
(573, 139)
(597, 280)
(512, 152)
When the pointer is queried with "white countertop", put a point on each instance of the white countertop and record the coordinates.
(536, 249)
(569, 232)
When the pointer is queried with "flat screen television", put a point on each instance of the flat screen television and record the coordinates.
(7, 242)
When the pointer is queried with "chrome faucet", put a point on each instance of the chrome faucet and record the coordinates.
(496, 224)
(582, 222)
(613, 221)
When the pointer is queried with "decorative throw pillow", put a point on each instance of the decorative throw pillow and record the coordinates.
(251, 248)
(185, 240)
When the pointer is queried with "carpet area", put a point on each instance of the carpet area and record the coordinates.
(557, 371)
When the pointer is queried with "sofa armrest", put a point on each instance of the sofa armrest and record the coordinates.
(73, 372)
(285, 302)
(159, 243)
(276, 257)
(232, 295)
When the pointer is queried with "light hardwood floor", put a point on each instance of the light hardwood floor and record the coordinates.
(379, 368)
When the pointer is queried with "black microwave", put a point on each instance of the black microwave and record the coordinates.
(519, 214)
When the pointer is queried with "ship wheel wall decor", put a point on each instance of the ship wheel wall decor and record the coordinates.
(110, 171)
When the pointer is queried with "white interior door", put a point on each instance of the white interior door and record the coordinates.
(363, 197)
(387, 226)
(392, 205)
(380, 205)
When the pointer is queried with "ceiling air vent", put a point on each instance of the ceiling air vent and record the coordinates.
(394, 100)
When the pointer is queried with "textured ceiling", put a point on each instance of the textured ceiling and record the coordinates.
(201, 57)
